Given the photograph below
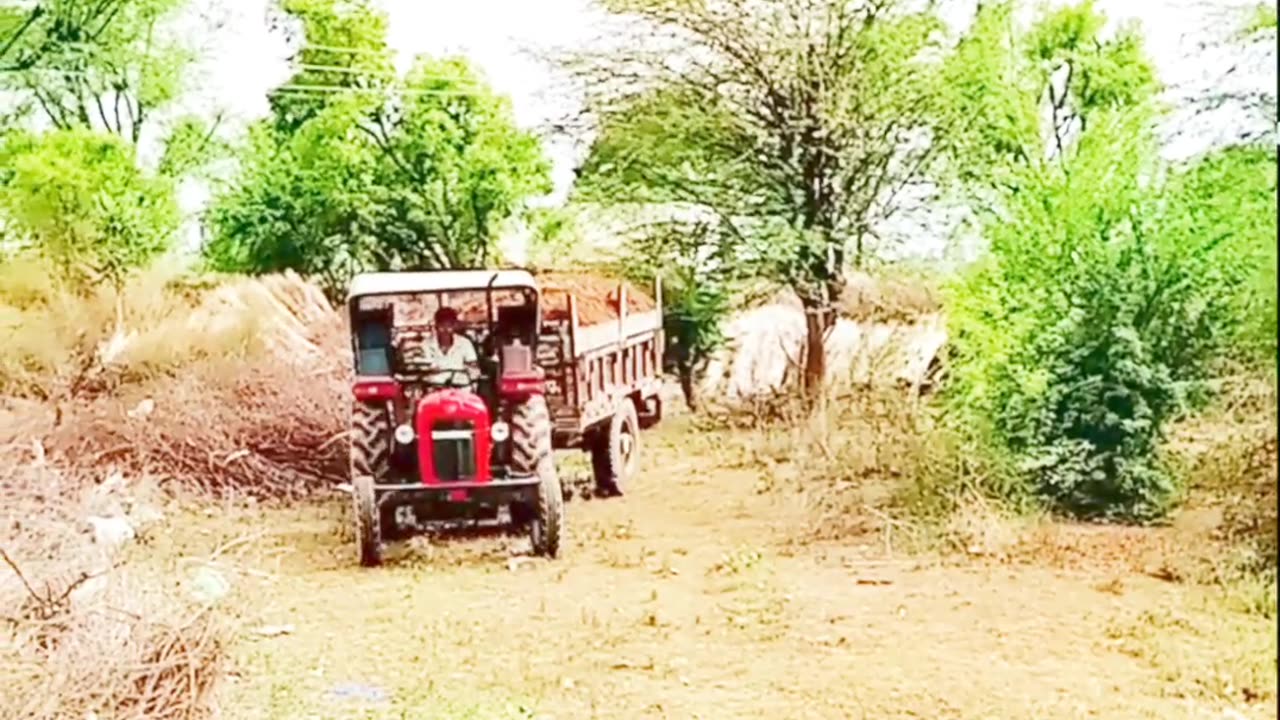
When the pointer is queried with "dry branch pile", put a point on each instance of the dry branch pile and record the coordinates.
(85, 637)
(255, 428)
(267, 419)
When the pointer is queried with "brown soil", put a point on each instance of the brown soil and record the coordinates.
(698, 596)
(596, 296)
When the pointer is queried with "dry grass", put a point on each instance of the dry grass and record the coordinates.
(88, 636)
(59, 346)
(876, 461)
(1230, 455)
(899, 296)
(850, 461)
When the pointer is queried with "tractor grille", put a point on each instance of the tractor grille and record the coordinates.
(453, 451)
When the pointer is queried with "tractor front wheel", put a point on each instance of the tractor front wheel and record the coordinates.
(368, 521)
(548, 523)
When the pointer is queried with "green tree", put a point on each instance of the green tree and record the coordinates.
(358, 169)
(1112, 283)
(699, 277)
(102, 64)
(1232, 193)
(802, 125)
(78, 198)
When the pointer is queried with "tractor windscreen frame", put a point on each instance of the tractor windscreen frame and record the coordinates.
(372, 329)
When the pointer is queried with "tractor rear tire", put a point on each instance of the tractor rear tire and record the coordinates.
(370, 463)
(614, 452)
(370, 441)
(368, 521)
(531, 454)
(547, 527)
(530, 435)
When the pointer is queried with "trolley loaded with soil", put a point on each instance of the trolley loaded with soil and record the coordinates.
(574, 363)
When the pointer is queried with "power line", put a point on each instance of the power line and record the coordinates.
(337, 69)
(348, 50)
(463, 87)
(292, 87)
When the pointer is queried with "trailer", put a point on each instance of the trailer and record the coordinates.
(603, 380)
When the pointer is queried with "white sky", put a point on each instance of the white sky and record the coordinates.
(244, 59)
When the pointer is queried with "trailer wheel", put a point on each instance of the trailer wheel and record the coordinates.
(548, 523)
(614, 452)
(370, 461)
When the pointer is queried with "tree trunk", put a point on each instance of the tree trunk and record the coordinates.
(815, 355)
(688, 387)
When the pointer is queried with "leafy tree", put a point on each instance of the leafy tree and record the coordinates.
(1112, 284)
(699, 280)
(103, 64)
(1032, 93)
(1232, 193)
(358, 169)
(802, 125)
(78, 198)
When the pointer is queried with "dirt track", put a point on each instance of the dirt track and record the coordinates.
(693, 598)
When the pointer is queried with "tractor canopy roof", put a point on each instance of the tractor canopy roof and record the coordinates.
(405, 283)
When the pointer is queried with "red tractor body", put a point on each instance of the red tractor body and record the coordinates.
(453, 438)
(432, 446)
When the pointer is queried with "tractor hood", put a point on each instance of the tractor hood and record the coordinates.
(454, 441)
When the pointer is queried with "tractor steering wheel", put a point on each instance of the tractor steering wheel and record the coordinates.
(457, 379)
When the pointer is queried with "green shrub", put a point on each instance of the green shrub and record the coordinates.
(1110, 289)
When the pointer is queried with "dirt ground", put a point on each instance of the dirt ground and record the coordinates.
(695, 596)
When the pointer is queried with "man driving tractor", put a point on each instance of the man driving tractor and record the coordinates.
(449, 352)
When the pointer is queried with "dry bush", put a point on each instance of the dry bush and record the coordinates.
(1230, 456)
(850, 459)
(261, 427)
(890, 297)
(86, 636)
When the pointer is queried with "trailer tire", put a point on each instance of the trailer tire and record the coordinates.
(547, 527)
(614, 452)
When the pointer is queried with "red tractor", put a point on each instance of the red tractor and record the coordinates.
(450, 442)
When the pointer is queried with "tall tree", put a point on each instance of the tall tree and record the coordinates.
(358, 169)
(103, 64)
(803, 124)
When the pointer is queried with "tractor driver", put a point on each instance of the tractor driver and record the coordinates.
(449, 352)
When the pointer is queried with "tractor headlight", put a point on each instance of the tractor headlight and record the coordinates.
(404, 434)
(500, 431)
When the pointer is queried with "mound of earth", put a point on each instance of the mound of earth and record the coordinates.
(596, 297)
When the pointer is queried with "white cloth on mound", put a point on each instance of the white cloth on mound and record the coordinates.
(460, 355)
